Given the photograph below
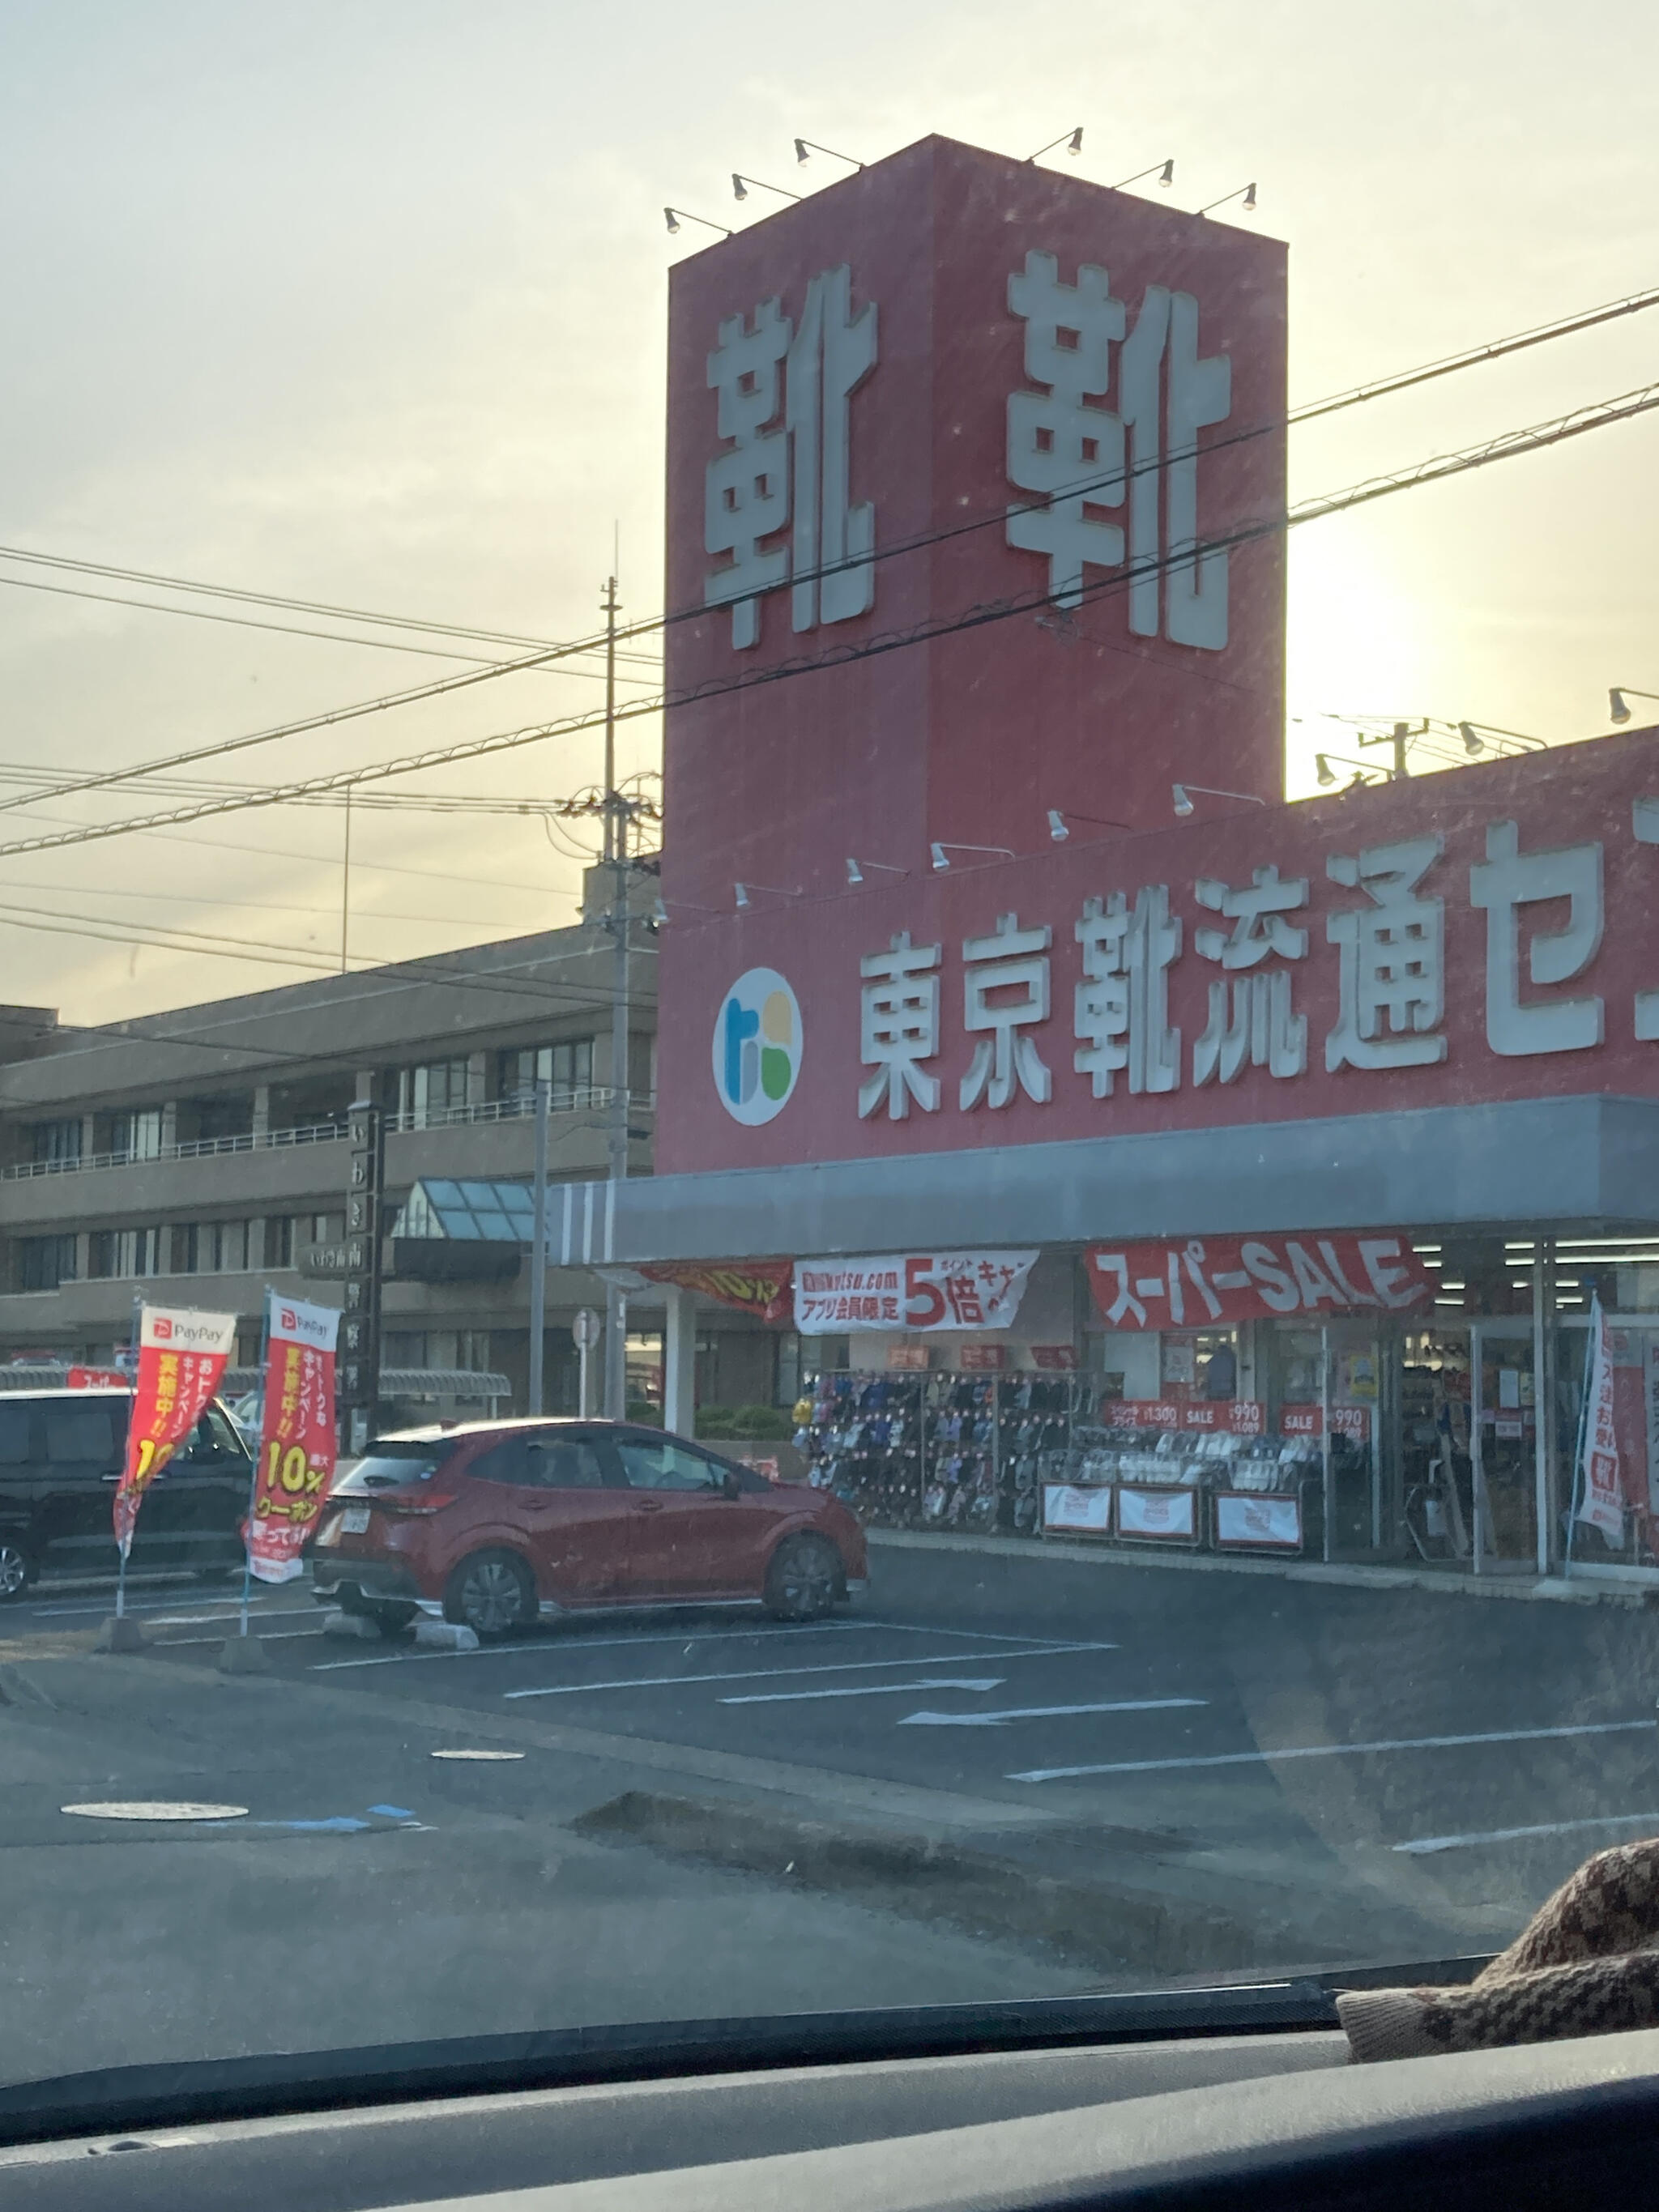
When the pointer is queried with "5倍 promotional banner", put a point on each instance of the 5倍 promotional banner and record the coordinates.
(297, 1439)
(182, 1355)
(932, 1291)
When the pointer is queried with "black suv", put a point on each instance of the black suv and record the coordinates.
(60, 1460)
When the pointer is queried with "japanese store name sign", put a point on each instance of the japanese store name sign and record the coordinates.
(954, 382)
(1484, 934)
(182, 1355)
(297, 1439)
(1224, 1279)
(910, 1290)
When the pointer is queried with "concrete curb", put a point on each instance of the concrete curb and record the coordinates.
(1529, 1587)
(1107, 1925)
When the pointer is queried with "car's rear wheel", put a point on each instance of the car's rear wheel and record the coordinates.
(804, 1580)
(492, 1593)
(16, 1571)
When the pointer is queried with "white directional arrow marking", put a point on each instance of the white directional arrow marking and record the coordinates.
(1040, 1712)
(866, 1690)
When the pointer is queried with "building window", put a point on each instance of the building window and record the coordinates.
(137, 1135)
(57, 1144)
(403, 1347)
(568, 1069)
(279, 1240)
(209, 1247)
(432, 1094)
(641, 1066)
(43, 1262)
(117, 1253)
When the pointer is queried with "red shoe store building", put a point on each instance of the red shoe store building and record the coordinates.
(1159, 1162)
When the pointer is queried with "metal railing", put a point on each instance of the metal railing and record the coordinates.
(518, 1106)
(189, 1148)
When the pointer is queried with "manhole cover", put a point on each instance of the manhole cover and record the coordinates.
(156, 1809)
(478, 1754)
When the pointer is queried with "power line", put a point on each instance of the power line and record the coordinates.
(1435, 469)
(158, 582)
(649, 626)
(287, 629)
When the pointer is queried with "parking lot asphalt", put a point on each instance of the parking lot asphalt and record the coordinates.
(1390, 1773)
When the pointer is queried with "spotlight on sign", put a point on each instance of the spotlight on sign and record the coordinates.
(855, 870)
(1183, 806)
(1057, 829)
(1473, 740)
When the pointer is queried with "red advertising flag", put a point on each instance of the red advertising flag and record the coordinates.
(1213, 1281)
(297, 1439)
(182, 1355)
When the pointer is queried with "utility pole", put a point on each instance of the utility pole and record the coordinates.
(345, 884)
(538, 1251)
(616, 852)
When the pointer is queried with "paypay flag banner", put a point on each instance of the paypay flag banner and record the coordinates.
(297, 1439)
(182, 1355)
(911, 1291)
(1602, 1498)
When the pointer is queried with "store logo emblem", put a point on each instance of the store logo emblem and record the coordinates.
(757, 1047)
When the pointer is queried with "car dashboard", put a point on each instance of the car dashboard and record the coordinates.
(1269, 2117)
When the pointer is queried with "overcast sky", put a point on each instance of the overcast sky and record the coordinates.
(363, 303)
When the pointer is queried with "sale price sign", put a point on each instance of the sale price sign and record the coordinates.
(297, 1439)
(182, 1355)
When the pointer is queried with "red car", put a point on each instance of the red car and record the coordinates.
(501, 1523)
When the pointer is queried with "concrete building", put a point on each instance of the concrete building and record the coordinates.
(200, 1154)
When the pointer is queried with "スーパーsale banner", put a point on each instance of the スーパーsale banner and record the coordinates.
(1222, 1279)
(932, 1291)
(182, 1355)
(297, 1439)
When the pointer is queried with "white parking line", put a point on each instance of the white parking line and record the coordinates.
(972, 1635)
(1326, 1751)
(555, 1645)
(1041, 1712)
(864, 1690)
(1423, 1844)
(767, 1674)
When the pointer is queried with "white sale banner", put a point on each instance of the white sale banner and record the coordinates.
(926, 1290)
(1065, 1507)
(1601, 1498)
(1258, 1523)
(1171, 1514)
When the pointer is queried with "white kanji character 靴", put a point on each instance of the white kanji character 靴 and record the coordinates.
(1260, 1025)
(1056, 441)
(899, 1028)
(1010, 966)
(746, 488)
(1073, 452)
(833, 352)
(1122, 1007)
(1391, 971)
(1506, 880)
(1201, 393)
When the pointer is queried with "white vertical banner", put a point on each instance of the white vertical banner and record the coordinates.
(1601, 1500)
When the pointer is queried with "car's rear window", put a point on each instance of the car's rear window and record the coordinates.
(392, 1464)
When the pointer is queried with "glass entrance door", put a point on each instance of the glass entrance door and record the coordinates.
(1503, 1448)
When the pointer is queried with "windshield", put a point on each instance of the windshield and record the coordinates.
(904, 879)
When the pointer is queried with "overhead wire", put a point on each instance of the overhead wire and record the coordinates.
(596, 641)
(1437, 468)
